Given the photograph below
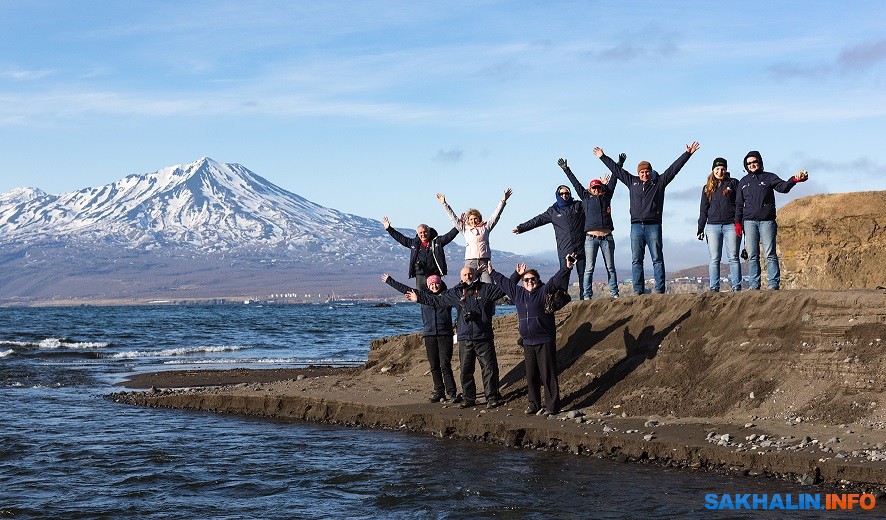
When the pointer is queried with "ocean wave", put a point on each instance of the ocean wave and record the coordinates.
(6, 353)
(173, 352)
(57, 343)
(18, 343)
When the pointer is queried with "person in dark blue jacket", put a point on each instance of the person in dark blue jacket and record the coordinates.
(538, 332)
(426, 255)
(598, 227)
(437, 335)
(755, 216)
(647, 202)
(567, 216)
(715, 224)
(475, 304)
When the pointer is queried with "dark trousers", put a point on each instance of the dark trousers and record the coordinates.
(421, 282)
(439, 349)
(468, 351)
(541, 370)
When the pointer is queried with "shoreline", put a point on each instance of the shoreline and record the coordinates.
(784, 384)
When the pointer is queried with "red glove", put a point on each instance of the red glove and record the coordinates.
(738, 230)
(799, 179)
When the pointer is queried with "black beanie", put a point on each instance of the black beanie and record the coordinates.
(719, 161)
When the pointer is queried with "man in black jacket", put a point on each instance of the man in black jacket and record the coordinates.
(475, 304)
(567, 216)
(647, 202)
(426, 255)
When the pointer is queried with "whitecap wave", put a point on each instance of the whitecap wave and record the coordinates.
(267, 361)
(57, 343)
(6, 353)
(18, 343)
(173, 352)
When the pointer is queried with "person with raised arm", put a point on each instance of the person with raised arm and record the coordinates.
(755, 216)
(647, 204)
(538, 332)
(475, 304)
(476, 233)
(426, 256)
(598, 227)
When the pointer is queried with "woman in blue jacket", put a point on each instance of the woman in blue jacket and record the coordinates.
(715, 223)
(437, 335)
(538, 330)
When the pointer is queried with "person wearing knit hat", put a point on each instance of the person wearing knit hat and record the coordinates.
(647, 203)
(755, 217)
(566, 215)
(598, 227)
(437, 336)
(715, 224)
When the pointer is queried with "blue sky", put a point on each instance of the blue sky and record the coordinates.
(373, 107)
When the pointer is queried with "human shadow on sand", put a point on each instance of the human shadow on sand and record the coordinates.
(637, 350)
(581, 341)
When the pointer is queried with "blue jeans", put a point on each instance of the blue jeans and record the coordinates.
(643, 236)
(579, 268)
(605, 245)
(757, 231)
(717, 234)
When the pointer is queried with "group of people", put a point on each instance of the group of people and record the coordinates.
(729, 210)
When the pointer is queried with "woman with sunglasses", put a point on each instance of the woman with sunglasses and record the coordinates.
(538, 332)
(476, 233)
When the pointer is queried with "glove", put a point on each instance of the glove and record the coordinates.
(800, 177)
(738, 229)
(562, 164)
(700, 235)
(622, 157)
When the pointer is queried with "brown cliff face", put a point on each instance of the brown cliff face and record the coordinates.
(835, 241)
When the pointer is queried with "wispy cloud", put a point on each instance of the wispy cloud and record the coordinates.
(452, 155)
(856, 58)
(25, 75)
(863, 56)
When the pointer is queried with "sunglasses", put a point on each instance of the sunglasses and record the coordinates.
(563, 193)
(752, 162)
(531, 279)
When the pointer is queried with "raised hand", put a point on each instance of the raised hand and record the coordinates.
(441, 198)
(605, 178)
(508, 193)
(411, 296)
(562, 164)
(385, 277)
(598, 152)
(622, 157)
(692, 148)
(521, 268)
(386, 222)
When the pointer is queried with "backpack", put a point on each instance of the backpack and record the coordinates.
(556, 299)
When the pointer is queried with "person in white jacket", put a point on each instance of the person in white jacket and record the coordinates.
(476, 233)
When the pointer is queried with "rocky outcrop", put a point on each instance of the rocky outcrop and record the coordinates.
(835, 241)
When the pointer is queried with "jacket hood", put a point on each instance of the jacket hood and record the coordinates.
(560, 202)
(432, 234)
(752, 153)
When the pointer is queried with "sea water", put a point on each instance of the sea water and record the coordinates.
(66, 452)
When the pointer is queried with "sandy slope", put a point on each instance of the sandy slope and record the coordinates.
(657, 377)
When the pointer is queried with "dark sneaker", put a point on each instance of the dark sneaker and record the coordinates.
(532, 410)
(436, 398)
(467, 403)
(452, 399)
(493, 403)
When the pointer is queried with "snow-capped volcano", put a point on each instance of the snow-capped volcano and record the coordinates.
(205, 205)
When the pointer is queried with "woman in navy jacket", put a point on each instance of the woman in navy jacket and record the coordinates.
(715, 223)
(437, 335)
(538, 331)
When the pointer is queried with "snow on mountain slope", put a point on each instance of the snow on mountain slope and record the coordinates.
(206, 206)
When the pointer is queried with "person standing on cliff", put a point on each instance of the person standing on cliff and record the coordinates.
(437, 336)
(755, 216)
(426, 255)
(538, 332)
(477, 251)
(647, 203)
(598, 226)
(567, 216)
(475, 304)
(715, 224)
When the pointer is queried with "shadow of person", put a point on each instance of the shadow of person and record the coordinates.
(579, 342)
(637, 350)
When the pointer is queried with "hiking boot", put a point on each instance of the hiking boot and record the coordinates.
(532, 410)
(493, 403)
(436, 398)
(467, 403)
(452, 399)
